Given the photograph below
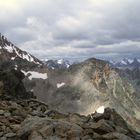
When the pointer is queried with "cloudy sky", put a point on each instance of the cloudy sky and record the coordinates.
(73, 29)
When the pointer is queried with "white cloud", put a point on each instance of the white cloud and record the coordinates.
(56, 28)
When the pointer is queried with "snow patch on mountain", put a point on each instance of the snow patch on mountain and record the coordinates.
(9, 48)
(13, 58)
(25, 56)
(100, 110)
(60, 84)
(63, 62)
(138, 60)
(112, 62)
(15, 52)
(34, 74)
(16, 66)
(125, 62)
(60, 61)
(130, 61)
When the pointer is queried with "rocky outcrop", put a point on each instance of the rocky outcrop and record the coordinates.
(11, 85)
(33, 120)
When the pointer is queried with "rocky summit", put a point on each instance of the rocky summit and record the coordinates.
(33, 120)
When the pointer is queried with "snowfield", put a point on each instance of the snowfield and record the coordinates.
(36, 75)
(60, 84)
(9, 49)
(100, 110)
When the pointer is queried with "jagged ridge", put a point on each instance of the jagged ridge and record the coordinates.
(9, 52)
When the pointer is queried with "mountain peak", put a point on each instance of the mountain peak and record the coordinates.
(9, 52)
(59, 63)
(126, 62)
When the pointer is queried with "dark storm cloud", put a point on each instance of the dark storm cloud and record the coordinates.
(79, 28)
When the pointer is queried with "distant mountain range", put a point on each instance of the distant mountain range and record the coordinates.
(126, 63)
(123, 63)
(12, 55)
(60, 63)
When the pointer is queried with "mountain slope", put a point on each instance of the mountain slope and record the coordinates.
(24, 118)
(87, 86)
(9, 53)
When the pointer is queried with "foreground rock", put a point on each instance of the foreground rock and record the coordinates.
(33, 120)
(11, 85)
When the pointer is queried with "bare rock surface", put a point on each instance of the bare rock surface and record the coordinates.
(46, 124)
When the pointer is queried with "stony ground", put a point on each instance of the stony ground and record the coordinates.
(33, 120)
